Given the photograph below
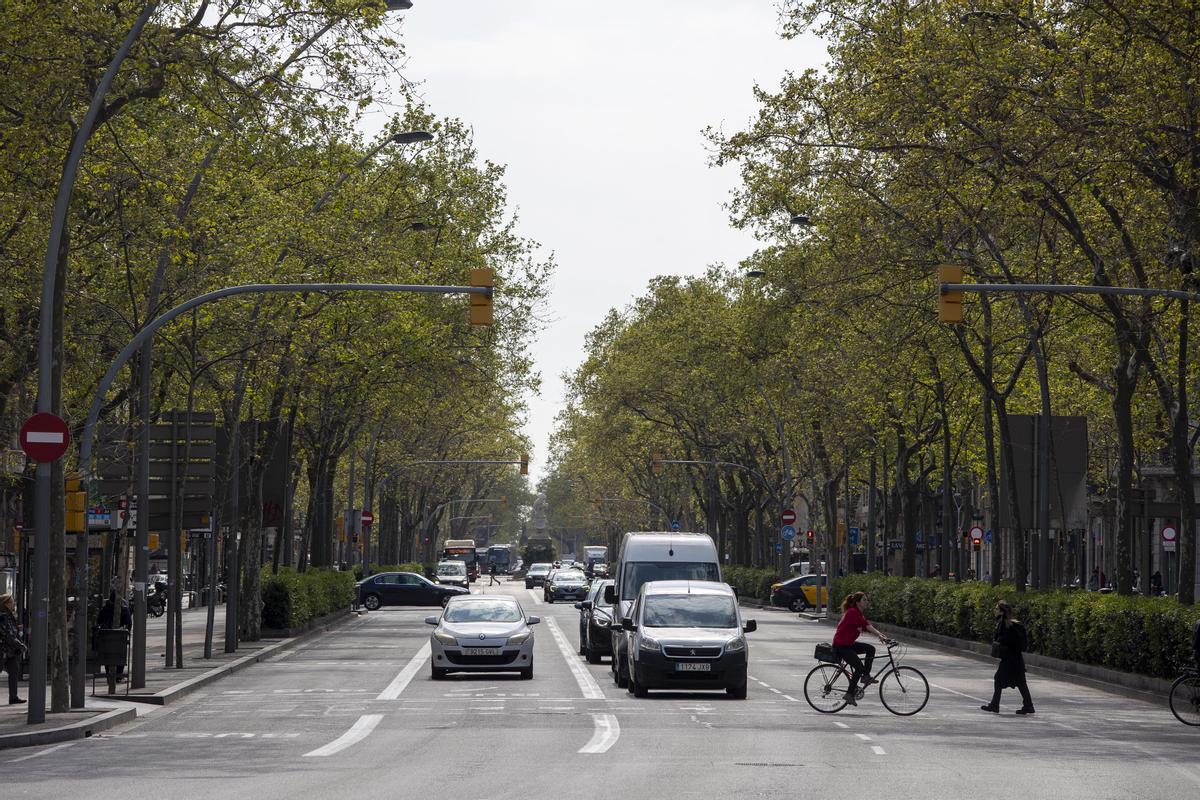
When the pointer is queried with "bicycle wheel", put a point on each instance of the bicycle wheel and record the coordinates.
(904, 691)
(1185, 699)
(825, 688)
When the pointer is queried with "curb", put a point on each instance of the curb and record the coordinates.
(1124, 684)
(179, 690)
(65, 733)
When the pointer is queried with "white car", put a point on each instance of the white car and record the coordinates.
(453, 573)
(482, 633)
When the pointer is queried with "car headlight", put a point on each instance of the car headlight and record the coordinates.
(735, 645)
(650, 645)
(775, 586)
(444, 637)
(520, 638)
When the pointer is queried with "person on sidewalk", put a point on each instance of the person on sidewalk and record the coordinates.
(847, 647)
(12, 649)
(492, 575)
(108, 618)
(1008, 643)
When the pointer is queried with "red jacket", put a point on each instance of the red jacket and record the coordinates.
(851, 625)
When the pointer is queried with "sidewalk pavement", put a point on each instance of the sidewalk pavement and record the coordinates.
(163, 685)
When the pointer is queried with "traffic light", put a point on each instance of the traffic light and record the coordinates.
(596, 502)
(811, 536)
(76, 503)
(524, 461)
(656, 463)
(975, 543)
(481, 304)
(504, 501)
(950, 303)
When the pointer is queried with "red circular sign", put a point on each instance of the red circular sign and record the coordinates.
(367, 518)
(787, 516)
(44, 437)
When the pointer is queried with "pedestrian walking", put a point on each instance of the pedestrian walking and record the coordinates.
(12, 649)
(492, 575)
(847, 647)
(1008, 643)
(1156, 587)
(109, 618)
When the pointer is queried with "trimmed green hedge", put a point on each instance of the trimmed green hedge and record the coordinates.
(291, 599)
(751, 583)
(1148, 635)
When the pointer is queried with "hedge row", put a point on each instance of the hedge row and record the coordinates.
(291, 599)
(751, 583)
(1147, 635)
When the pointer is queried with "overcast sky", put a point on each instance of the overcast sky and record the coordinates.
(597, 111)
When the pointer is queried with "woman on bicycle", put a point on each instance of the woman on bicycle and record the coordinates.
(846, 644)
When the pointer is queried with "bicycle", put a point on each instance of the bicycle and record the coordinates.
(1185, 697)
(902, 690)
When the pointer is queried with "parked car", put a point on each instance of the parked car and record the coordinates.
(403, 589)
(482, 633)
(565, 584)
(687, 635)
(453, 573)
(595, 621)
(800, 593)
(536, 576)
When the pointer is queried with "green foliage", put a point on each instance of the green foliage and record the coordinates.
(1151, 636)
(291, 598)
(751, 583)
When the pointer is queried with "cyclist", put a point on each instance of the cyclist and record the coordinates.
(846, 644)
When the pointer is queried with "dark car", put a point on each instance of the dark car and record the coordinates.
(565, 584)
(687, 635)
(799, 593)
(403, 589)
(536, 576)
(595, 617)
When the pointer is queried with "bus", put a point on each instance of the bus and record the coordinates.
(502, 556)
(462, 550)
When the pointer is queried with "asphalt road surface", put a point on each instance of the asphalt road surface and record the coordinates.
(354, 713)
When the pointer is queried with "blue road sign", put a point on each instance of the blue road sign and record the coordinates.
(674, 524)
(987, 537)
(778, 548)
(788, 532)
(854, 537)
(932, 540)
(920, 537)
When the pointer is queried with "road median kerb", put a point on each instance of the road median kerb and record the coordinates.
(65, 733)
(179, 690)
(1126, 684)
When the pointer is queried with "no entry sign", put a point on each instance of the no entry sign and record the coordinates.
(367, 518)
(787, 516)
(44, 437)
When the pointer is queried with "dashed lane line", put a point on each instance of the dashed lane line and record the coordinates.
(40, 753)
(841, 724)
(608, 730)
(877, 750)
(359, 731)
(863, 736)
(960, 694)
(405, 676)
(537, 601)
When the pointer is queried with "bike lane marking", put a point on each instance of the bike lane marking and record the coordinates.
(607, 730)
(40, 753)
(359, 731)
(405, 676)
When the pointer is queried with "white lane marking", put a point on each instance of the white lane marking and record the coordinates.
(537, 601)
(960, 694)
(841, 725)
(773, 689)
(863, 736)
(587, 684)
(358, 731)
(42, 752)
(789, 697)
(406, 675)
(877, 750)
(608, 730)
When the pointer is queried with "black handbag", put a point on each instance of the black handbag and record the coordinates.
(998, 650)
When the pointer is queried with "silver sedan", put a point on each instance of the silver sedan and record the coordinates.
(482, 633)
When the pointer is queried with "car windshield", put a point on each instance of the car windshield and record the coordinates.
(689, 611)
(641, 572)
(483, 611)
(539, 568)
(457, 568)
(562, 576)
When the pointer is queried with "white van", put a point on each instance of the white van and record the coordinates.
(658, 556)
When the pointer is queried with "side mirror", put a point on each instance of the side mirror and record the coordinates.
(579, 606)
(586, 605)
(431, 620)
(627, 624)
(610, 596)
(750, 627)
(735, 591)
(533, 620)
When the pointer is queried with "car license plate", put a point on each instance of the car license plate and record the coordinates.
(692, 666)
(481, 651)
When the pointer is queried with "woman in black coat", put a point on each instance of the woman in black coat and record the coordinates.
(1009, 643)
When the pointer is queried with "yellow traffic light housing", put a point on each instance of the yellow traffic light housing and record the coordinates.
(596, 502)
(504, 501)
(656, 463)
(481, 304)
(524, 463)
(75, 500)
(950, 309)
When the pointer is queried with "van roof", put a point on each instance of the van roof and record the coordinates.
(687, 587)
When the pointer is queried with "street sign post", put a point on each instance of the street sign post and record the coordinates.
(44, 437)
(854, 537)
(1169, 535)
(787, 532)
(778, 548)
(787, 517)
